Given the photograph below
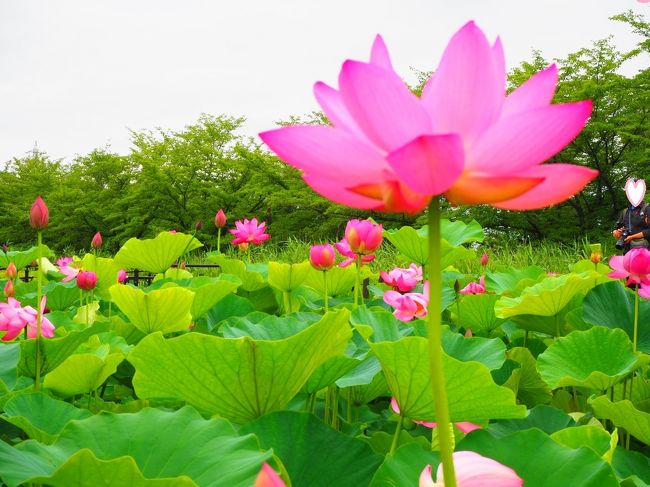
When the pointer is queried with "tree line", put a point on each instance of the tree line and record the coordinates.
(172, 179)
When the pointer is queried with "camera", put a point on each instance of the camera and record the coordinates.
(620, 243)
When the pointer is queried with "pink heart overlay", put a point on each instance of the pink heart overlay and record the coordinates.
(635, 191)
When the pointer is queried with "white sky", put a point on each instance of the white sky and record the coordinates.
(77, 74)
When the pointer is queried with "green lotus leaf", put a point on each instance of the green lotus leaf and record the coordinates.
(230, 306)
(173, 274)
(329, 372)
(208, 291)
(544, 418)
(163, 445)
(624, 415)
(82, 373)
(631, 464)
(165, 310)
(9, 357)
(106, 270)
(262, 326)
(457, 232)
(156, 254)
(406, 367)
(540, 461)
(512, 281)
(61, 295)
(287, 277)
(450, 255)
(363, 374)
(585, 265)
(54, 350)
(525, 381)
(22, 258)
(252, 278)
(612, 305)
(86, 314)
(491, 352)
(41, 416)
(546, 298)
(340, 280)
(240, 379)
(313, 453)
(597, 358)
(594, 437)
(385, 327)
(403, 468)
(412, 243)
(477, 313)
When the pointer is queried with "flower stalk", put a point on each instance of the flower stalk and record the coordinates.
(39, 312)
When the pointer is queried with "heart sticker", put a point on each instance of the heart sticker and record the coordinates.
(635, 191)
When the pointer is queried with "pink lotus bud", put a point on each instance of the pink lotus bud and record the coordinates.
(363, 236)
(10, 290)
(86, 280)
(39, 215)
(322, 257)
(96, 242)
(468, 333)
(267, 477)
(220, 219)
(173, 230)
(11, 271)
(485, 258)
(198, 225)
(5, 248)
(121, 276)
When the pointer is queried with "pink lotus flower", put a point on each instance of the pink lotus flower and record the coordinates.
(635, 266)
(644, 291)
(474, 470)
(268, 478)
(249, 232)
(403, 280)
(464, 426)
(363, 236)
(96, 242)
(14, 318)
(39, 215)
(485, 258)
(66, 269)
(121, 276)
(64, 261)
(410, 305)
(220, 219)
(322, 257)
(344, 249)
(11, 272)
(388, 150)
(475, 287)
(86, 280)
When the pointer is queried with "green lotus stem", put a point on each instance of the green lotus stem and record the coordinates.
(87, 309)
(334, 403)
(357, 281)
(349, 415)
(219, 240)
(325, 288)
(326, 411)
(287, 301)
(445, 439)
(39, 312)
(398, 430)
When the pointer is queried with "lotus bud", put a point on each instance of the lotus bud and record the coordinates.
(596, 257)
(485, 258)
(86, 280)
(198, 225)
(456, 286)
(220, 219)
(121, 276)
(11, 271)
(96, 242)
(183, 265)
(322, 257)
(363, 236)
(39, 215)
(9, 290)
(5, 248)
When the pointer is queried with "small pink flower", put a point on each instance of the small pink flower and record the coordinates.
(474, 470)
(249, 232)
(410, 305)
(172, 231)
(268, 478)
(485, 258)
(14, 318)
(64, 261)
(475, 287)
(363, 236)
(220, 219)
(322, 257)
(344, 249)
(635, 266)
(464, 426)
(121, 276)
(86, 280)
(96, 242)
(403, 280)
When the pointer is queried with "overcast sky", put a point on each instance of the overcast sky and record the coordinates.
(76, 75)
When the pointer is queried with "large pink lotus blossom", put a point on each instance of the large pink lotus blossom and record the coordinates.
(403, 280)
(464, 426)
(14, 318)
(249, 232)
(344, 249)
(410, 305)
(388, 150)
(268, 478)
(474, 470)
(635, 266)
(475, 287)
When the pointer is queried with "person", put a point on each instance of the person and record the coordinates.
(633, 228)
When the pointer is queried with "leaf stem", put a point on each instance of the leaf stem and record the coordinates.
(398, 430)
(445, 439)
